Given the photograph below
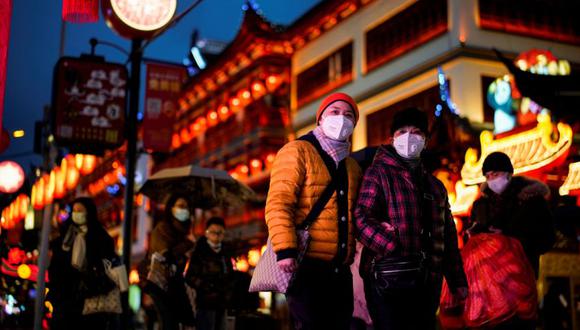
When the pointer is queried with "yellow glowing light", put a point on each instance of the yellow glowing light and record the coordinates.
(134, 277)
(48, 305)
(464, 198)
(253, 257)
(263, 249)
(18, 133)
(529, 150)
(572, 180)
(24, 271)
(242, 265)
(144, 15)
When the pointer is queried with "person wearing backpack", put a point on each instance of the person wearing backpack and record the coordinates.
(305, 172)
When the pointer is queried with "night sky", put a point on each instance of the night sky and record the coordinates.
(35, 42)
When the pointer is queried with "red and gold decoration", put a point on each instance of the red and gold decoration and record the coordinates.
(530, 151)
(138, 19)
(572, 184)
(80, 11)
(11, 177)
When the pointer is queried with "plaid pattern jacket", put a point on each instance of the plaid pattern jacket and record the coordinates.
(387, 218)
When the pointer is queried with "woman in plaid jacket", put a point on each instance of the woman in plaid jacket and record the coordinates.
(403, 211)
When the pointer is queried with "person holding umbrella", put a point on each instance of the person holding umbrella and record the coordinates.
(169, 251)
(305, 170)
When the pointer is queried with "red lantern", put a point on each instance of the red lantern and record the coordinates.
(72, 177)
(224, 112)
(79, 161)
(272, 82)
(245, 96)
(258, 89)
(59, 182)
(270, 160)
(89, 164)
(175, 142)
(80, 11)
(212, 119)
(11, 177)
(255, 166)
(185, 136)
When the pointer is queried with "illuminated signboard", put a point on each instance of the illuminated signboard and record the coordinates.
(89, 104)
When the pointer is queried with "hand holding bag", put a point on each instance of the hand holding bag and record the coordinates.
(109, 302)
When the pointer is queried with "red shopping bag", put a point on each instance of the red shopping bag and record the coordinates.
(501, 282)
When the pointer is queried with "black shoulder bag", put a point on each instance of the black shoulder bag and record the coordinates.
(408, 272)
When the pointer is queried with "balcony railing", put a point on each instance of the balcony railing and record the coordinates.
(407, 30)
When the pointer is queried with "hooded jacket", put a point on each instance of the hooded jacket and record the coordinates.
(388, 218)
(521, 211)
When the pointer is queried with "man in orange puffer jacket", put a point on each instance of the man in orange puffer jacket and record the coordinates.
(321, 294)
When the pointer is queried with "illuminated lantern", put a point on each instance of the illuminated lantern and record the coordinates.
(242, 264)
(212, 119)
(24, 203)
(272, 82)
(223, 112)
(72, 177)
(270, 160)
(175, 142)
(458, 224)
(245, 96)
(258, 89)
(24, 271)
(79, 161)
(15, 256)
(89, 164)
(185, 136)
(134, 277)
(80, 11)
(253, 257)
(255, 166)
(11, 177)
(242, 171)
(39, 192)
(60, 182)
(236, 104)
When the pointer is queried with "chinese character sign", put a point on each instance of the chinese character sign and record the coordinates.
(163, 87)
(89, 104)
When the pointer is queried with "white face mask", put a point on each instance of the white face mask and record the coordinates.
(181, 214)
(409, 145)
(79, 218)
(499, 184)
(337, 127)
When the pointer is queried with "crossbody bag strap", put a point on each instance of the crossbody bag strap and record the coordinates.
(328, 191)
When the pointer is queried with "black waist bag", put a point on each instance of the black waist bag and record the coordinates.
(395, 273)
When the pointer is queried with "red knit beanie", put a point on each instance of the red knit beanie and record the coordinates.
(334, 98)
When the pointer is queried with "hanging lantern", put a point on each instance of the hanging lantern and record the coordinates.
(89, 164)
(80, 11)
(59, 182)
(255, 166)
(272, 82)
(270, 160)
(185, 136)
(212, 119)
(258, 89)
(175, 142)
(24, 204)
(235, 104)
(72, 177)
(79, 161)
(224, 112)
(38, 191)
(245, 97)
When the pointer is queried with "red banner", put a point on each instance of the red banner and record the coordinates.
(5, 13)
(89, 104)
(164, 83)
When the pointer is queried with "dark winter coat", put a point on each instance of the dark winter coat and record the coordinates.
(169, 238)
(211, 274)
(388, 218)
(522, 212)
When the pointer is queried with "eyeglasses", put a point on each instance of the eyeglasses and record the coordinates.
(217, 233)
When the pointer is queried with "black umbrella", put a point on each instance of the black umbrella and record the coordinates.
(206, 187)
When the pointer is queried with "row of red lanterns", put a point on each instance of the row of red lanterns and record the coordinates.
(241, 99)
(54, 185)
(15, 212)
(254, 167)
(111, 178)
